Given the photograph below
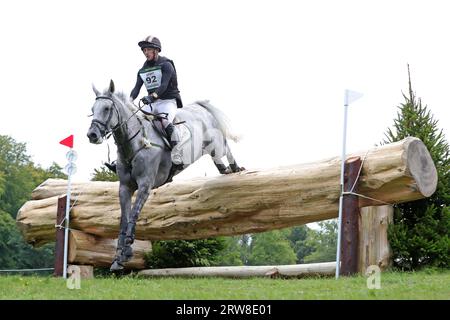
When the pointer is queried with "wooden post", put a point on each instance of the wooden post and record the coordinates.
(374, 246)
(59, 245)
(350, 217)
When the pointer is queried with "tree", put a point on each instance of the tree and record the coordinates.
(19, 176)
(233, 252)
(323, 242)
(298, 238)
(270, 248)
(104, 174)
(420, 233)
(184, 253)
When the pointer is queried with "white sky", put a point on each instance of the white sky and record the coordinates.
(277, 68)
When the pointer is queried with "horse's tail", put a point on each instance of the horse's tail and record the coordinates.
(222, 120)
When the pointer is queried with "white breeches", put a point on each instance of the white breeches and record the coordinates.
(163, 106)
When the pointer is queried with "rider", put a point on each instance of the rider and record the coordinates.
(159, 76)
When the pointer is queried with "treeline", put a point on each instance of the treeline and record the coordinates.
(288, 246)
(19, 176)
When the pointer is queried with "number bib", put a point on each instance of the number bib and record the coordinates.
(151, 77)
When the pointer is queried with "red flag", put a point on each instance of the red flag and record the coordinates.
(67, 141)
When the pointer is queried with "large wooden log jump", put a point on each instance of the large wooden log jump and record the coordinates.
(246, 202)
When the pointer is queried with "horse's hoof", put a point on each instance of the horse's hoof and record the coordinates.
(116, 266)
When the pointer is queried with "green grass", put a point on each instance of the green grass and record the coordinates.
(429, 284)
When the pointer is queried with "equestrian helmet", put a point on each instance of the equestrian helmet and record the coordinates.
(150, 42)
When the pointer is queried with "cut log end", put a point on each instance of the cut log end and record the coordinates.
(421, 167)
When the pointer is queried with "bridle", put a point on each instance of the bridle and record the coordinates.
(103, 126)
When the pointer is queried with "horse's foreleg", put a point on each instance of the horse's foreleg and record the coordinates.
(141, 198)
(125, 194)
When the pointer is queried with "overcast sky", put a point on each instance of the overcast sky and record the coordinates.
(277, 68)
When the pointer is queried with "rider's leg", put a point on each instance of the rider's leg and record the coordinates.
(170, 108)
(169, 131)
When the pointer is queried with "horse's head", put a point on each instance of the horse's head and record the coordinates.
(105, 115)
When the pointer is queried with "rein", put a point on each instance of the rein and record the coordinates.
(121, 123)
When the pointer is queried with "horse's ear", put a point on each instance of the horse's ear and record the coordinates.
(97, 93)
(111, 87)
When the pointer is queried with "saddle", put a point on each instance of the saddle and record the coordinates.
(156, 121)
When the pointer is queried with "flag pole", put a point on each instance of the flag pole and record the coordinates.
(70, 169)
(66, 230)
(341, 198)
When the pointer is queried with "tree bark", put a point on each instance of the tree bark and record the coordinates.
(245, 202)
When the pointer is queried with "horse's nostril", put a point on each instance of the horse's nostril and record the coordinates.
(92, 135)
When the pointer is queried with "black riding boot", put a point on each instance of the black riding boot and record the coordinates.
(169, 131)
(111, 166)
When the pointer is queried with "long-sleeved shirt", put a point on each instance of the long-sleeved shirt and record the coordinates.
(158, 76)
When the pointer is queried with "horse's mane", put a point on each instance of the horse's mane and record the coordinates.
(126, 100)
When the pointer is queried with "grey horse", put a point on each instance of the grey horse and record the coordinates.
(144, 158)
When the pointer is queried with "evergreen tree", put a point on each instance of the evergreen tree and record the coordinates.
(104, 174)
(420, 233)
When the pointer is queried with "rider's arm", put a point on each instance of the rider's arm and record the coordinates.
(167, 71)
(137, 87)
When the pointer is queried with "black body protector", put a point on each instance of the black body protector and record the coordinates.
(158, 76)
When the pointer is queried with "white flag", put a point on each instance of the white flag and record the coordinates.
(351, 96)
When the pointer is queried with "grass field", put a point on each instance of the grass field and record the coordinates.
(429, 284)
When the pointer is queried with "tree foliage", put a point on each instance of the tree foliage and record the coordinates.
(184, 253)
(323, 242)
(19, 176)
(298, 238)
(420, 233)
(104, 174)
(269, 248)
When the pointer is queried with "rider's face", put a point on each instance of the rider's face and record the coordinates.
(149, 53)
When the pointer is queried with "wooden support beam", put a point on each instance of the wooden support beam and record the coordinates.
(59, 243)
(350, 219)
(373, 245)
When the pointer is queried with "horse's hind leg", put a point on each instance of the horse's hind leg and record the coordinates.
(233, 165)
(223, 169)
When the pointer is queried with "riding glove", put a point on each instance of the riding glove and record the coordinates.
(148, 99)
